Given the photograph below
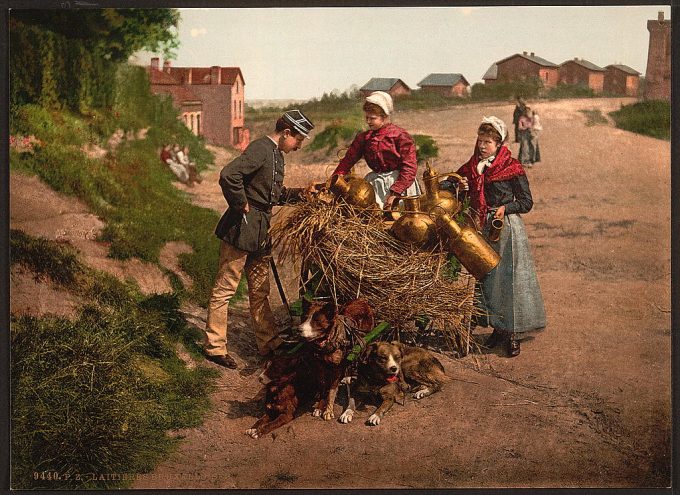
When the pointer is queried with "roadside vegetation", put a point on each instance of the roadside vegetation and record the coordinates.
(96, 393)
(651, 118)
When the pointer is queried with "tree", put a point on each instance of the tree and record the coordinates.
(114, 33)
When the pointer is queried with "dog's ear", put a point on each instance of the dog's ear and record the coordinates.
(398, 344)
(330, 310)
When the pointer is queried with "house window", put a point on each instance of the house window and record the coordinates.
(240, 108)
(198, 124)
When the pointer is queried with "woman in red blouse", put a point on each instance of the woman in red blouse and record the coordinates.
(388, 150)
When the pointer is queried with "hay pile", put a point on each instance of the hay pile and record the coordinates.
(357, 257)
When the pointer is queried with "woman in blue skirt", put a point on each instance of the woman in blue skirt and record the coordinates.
(497, 187)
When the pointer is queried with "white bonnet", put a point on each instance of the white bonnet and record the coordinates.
(383, 100)
(497, 124)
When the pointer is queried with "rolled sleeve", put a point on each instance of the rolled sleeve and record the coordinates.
(409, 166)
(353, 155)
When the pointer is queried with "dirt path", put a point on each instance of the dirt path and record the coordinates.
(587, 403)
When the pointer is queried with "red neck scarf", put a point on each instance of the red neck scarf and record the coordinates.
(503, 167)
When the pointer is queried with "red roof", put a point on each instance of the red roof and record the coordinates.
(160, 77)
(229, 75)
(199, 75)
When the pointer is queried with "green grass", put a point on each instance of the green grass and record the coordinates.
(594, 117)
(96, 394)
(45, 259)
(132, 192)
(651, 118)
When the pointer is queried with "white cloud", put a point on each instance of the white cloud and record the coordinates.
(196, 32)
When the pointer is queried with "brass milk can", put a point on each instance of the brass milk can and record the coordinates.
(473, 252)
(414, 226)
(435, 196)
(355, 190)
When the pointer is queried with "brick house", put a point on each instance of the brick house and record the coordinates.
(210, 100)
(582, 72)
(522, 66)
(621, 80)
(445, 84)
(391, 85)
(658, 75)
(491, 74)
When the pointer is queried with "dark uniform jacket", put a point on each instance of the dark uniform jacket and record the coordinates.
(256, 178)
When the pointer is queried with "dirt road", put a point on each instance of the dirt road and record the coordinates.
(587, 402)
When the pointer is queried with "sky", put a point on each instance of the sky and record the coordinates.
(302, 53)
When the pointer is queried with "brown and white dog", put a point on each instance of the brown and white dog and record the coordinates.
(331, 334)
(388, 369)
(288, 380)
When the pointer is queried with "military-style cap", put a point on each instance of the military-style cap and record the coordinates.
(299, 122)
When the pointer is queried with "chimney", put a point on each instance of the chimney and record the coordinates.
(215, 75)
(154, 63)
(532, 54)
(166, 66)
(576, 58)
(524, 53)
(660, 16)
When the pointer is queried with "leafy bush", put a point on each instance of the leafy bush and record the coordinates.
(651, 118)
(529, 88)
(426, 147)
(570, 91)
(334, 135)
(421, 100)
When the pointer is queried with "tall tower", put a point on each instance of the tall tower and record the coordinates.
(658, 76)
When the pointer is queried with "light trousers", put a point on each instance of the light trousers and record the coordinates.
(232, 263)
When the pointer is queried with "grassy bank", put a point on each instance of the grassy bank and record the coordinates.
(651, 118)
(129, 188)
(96, 393)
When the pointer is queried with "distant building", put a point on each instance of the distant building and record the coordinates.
(621, 80)
(582, 72)
(210, 100)
(391, 85)
(522, 66)
(491, 74)
(445, 84)
(658, 75)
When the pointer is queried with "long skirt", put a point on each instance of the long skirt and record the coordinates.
(529, 152)
(510, 295)
(381, 182)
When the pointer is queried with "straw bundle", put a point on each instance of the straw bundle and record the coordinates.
(357, 257)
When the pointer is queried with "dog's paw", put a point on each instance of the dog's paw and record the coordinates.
(316, 412)
(373, 420)
(252, 432)
(347, 416)
(328, 415)
(421, 393)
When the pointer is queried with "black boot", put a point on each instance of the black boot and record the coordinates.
(496, 338)
(513, 346)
